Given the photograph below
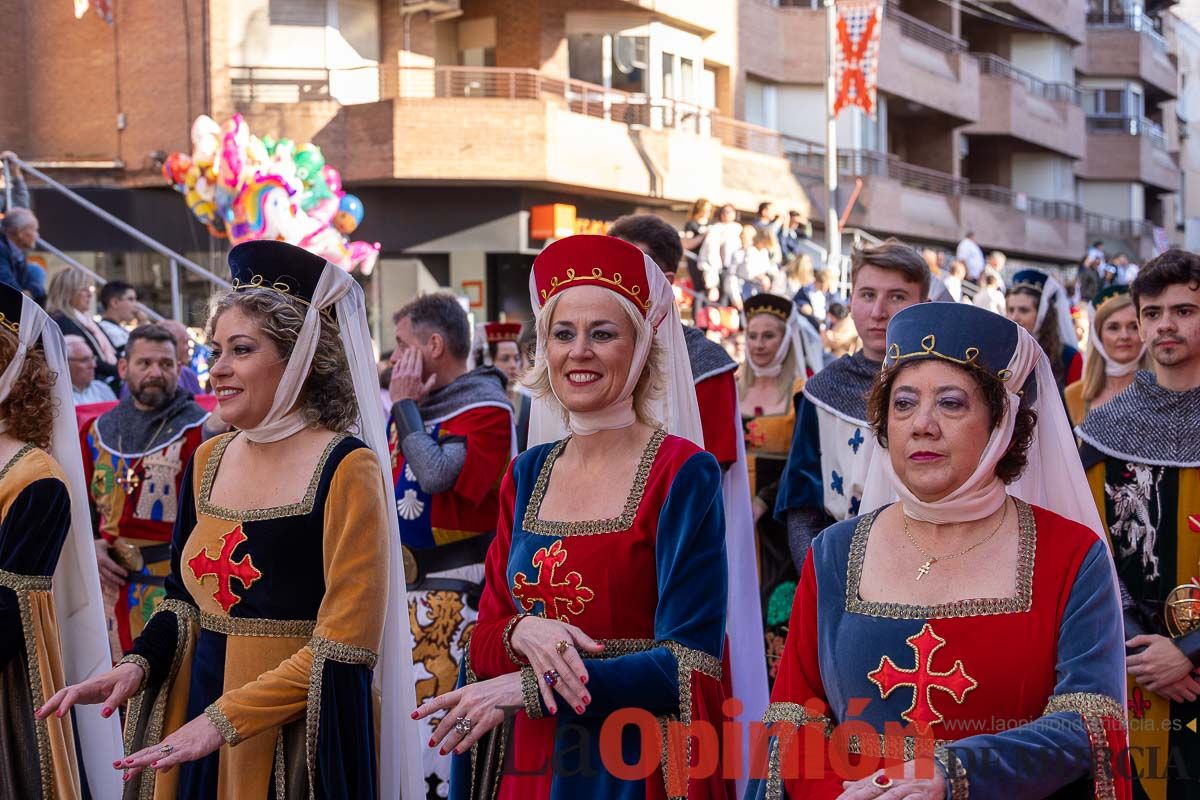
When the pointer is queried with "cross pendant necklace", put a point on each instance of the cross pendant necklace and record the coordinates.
(931, 559)
(925, 568)
(131, 480)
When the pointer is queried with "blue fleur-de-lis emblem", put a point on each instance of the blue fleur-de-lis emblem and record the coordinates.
(835, 483)
(855, 502)
(856, 440)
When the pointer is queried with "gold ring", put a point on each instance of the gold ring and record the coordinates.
(881, 781)
(562, 646)
(167, 749)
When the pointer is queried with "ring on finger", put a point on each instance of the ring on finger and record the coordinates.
(551, 677)
(562, 646)
(463, 725)
(881, 781)
(167, 749)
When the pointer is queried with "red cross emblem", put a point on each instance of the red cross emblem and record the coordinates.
(225, 569)
(561, 598)
(923, 679)
(853, 76)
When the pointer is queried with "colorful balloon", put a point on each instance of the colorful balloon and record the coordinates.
(242, 187)
(349, 215)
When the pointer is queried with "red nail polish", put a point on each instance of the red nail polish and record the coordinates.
(432, 743)
(442, 751)
(153, 764)
(126, 777)
(578, 709)
(587, 699)
(414, 715)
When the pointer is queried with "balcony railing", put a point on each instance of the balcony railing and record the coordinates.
(1034, 206)
(1135, 20)
(990, 64)
(923, 32)
(278, 84)
(1131, 126)
(580, 97)
(1114, 226)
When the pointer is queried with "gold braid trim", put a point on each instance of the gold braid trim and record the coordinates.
(507, 638)
(956, 774)
(185, 617)
(134, 658)
(247, 626)
(221, 722)
(530, 693)
(1094, 709)
(687, 660)
(25, 583)
(326, 650)
(794, 713)
(41, 729)
(280, 768)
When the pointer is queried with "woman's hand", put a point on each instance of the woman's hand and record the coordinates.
(112, 688)
(541, 641)
(906, 786)
(193, 741)
(482, 703)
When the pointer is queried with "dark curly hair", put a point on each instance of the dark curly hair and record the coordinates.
(327, 399)
(29, 408)
(1012, 463)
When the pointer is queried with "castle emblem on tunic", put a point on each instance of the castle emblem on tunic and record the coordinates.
(562, 595)
(158, 500)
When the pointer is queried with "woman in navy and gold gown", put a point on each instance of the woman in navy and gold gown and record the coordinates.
(963, 639)
(775, 370)
(255, 675)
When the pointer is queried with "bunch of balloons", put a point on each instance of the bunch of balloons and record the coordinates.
(243, 187)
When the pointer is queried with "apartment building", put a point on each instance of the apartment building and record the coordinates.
(474, 130)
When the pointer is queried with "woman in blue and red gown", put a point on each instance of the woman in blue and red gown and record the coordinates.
(967, 637)
(606, 584)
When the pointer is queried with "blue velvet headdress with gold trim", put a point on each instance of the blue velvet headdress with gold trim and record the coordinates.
(954, 332)
(277, 266)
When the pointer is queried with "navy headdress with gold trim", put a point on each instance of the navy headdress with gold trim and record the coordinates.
(955, 332)
(773, 304)
(277, 266)
(1111, 292)
(10, 308)
(1033, 279)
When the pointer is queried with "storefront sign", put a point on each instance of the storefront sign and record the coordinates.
(558, 220)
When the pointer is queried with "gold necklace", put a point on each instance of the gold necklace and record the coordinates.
(931, 559)
(130, 480)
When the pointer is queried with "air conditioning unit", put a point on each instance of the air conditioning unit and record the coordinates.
(438, 9)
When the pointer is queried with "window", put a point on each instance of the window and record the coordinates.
(585, 57)
(630, 63)
(297, 12)
(1127, 102)
(670, 90)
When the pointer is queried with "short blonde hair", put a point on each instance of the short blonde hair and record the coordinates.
(650, 384)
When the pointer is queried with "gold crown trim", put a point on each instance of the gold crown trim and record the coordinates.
(503, 337)
(259, 282)
(597, 274)
(1103, 303)
(929, 348)
(15, 327)
(774, 312)
(1037, 287)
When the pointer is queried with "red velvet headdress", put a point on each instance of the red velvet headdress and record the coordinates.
(592, 261)
(502, 332)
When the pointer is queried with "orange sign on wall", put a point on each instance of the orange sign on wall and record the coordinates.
(553, 221)
(557, 220)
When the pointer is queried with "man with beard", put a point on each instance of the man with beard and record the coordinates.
(1142, 456)
(135, 457)
(451, 437)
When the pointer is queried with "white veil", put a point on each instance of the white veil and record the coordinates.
(676, 409)
(400, 771)
(1054, 294)
(83, 631)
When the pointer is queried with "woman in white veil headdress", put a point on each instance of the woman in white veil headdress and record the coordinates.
(1038, 303)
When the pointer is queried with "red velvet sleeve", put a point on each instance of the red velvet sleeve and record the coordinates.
(1075, 371)
(717, 398)
(489, 449)
(798, 697)
(488, 656)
